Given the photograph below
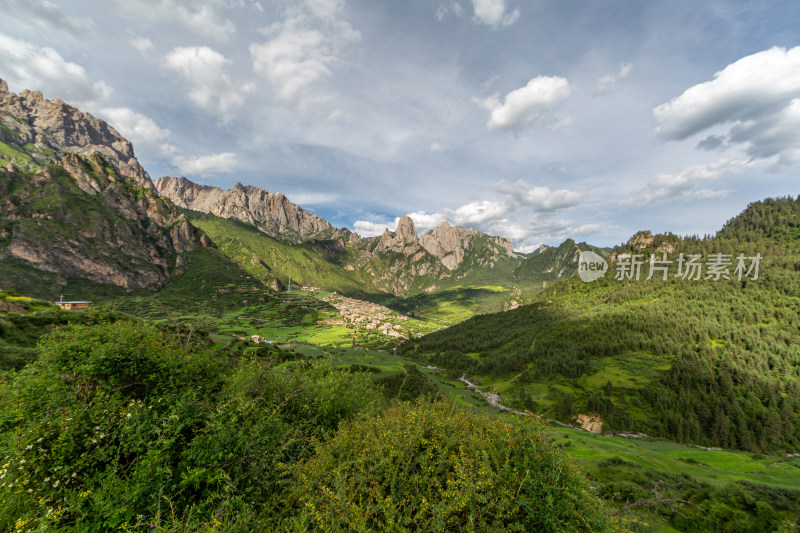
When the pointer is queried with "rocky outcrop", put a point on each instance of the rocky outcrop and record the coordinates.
(45, 128)
(396, 261)
(640, 240)
(403, 240)
(451, 244)
(644, 242)
(270, 212)
(93, 213)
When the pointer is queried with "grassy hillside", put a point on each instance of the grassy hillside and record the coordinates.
(709, 362)
(267, 259)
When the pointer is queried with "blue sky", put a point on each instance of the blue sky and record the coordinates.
(535, 120)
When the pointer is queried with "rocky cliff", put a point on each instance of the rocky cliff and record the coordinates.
(43, 129)
(270, 212)
(74, 200)
(396, 261)
(451, 244)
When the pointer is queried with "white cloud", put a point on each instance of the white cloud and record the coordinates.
(206, 164)
(609, 81)
(325, 9)
(437, 147)
(134, 126)
(46, 15)
(27, 66)
(366, 228)
(146, 136)
(494, 13)
(446, 8)
(209, 86)
(775, 137)
(143, 44)
(510, 217)
(149, 138)
(312, 198)
(292, 61)
(541, 199)
(686, 182)
(753, 93)
(302, 51)
(202, 16)
(522, 107)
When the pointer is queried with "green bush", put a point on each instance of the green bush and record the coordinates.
(118, 426)
(435, 467)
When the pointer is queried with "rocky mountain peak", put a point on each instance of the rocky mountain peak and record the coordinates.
(55, 127)
(641, 239)
(406, 230)
(451, 244)
(272, 213)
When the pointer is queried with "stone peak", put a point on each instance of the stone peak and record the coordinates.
(406, 229)
(3, 86)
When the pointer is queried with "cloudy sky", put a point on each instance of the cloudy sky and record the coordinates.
(533, 119)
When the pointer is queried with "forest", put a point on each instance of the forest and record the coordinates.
(731, 347)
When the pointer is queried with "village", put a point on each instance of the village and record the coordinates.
(367, 315)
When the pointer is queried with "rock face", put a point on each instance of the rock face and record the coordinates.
(403, 240)
(270, 212)
(75, 201)
(47, 127)
(452, 243)
(396, 260)
(640, 240)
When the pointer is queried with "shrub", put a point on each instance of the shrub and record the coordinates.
(436, 467)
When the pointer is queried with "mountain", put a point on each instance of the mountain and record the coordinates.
(75, 201)
(272, 213)
(549, 263)
(707, 361)
(397, 262)
(40, 130)
(452, 244)
(275, 239)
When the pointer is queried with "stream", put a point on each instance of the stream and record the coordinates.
(491, 399)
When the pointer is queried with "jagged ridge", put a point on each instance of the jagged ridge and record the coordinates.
(272, 213)
(74, 200)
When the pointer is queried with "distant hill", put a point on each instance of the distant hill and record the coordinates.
(777, 218)
(552, 263)
(703, 361)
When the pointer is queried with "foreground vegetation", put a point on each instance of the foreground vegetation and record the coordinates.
(126, 426)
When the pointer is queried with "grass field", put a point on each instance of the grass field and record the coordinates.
(716, 467)
(715, 483)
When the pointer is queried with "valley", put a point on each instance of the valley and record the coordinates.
(237, 306)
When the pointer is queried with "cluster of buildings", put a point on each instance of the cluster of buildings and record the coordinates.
(367, 315)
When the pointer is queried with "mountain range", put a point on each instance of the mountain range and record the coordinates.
(76, 202)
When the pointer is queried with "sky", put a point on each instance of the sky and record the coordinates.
(536, 120)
